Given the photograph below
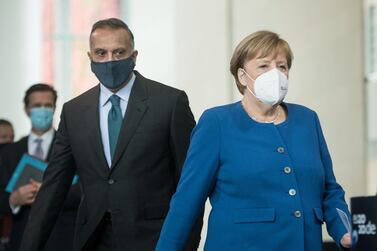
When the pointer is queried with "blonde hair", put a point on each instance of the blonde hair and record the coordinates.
(258, 44)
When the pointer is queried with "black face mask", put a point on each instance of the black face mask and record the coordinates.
(113, 74)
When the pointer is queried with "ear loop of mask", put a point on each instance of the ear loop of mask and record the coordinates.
(247, 87)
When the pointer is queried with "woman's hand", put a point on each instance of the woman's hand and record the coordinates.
(346, 241)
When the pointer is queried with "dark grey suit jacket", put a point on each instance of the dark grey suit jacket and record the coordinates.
(136, 190)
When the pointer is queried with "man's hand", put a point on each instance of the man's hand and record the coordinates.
(346, 241)
(24, 195)
(36, 184)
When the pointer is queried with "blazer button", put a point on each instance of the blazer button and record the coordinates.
(297, 214)
(111, 181)
(287, 169)
(280, 149)
(292, 192)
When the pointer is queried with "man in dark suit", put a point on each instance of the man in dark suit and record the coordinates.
(127, 139)
(40, 101)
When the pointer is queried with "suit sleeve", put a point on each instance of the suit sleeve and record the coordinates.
(181, 125)
(333, 198)
(73, 199)
(50, 199)
(197, 180)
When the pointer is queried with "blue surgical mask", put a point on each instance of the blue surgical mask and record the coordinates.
(113, 74)
(41, 117)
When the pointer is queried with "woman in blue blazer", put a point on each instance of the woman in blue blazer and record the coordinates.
(263, 163)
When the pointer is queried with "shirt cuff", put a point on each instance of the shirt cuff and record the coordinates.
(15, 209)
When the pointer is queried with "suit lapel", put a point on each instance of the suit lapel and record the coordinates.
(93, 126)
(136, 108)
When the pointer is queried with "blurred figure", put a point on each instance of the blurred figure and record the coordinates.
(6, 132)
(6, 137)
(263, 163)
(40, 103)
(127, 139)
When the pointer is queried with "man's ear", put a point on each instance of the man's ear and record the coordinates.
(89, 56)
(134, 55)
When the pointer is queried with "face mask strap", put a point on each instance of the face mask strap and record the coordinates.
(248, 75)
(247, 87)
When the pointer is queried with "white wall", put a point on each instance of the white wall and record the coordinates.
(203, 52)
(177, 48)
(20, 65)
(153, 24)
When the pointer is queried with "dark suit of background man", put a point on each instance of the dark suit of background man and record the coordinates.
(40, 101)
(127, 139)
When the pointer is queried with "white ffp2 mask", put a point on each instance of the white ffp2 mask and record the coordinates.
(270, 87)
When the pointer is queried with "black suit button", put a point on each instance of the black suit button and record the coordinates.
(111, 181)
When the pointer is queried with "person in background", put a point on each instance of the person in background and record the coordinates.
(40, 102)
(6, 137)
(127, 139)
(6, 132)
(263, 163)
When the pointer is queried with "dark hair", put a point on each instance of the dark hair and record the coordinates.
(40, 87)
(5, 122)
(113, 23)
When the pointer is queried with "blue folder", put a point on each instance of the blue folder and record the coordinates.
(28, 168)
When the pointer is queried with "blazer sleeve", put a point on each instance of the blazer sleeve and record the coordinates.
(333, 198)
(196, 182)
(57, 180)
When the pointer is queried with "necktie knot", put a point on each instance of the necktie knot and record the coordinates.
(115, 100)
(38, 141)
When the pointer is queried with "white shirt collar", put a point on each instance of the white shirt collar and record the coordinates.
(123, 93)
(46, 137)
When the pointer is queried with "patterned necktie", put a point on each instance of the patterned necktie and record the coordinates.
(114, 120)
(38, 153)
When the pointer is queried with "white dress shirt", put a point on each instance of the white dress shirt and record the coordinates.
(104, 108)
(46, 138)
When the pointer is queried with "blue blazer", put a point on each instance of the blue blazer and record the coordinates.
(270, 186)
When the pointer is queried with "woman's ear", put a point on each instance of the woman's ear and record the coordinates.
(241, 76)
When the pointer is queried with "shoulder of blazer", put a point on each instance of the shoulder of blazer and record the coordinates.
(12, 153)
(296, 111)
(153, 88)
(88, 98)
(16, 148)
